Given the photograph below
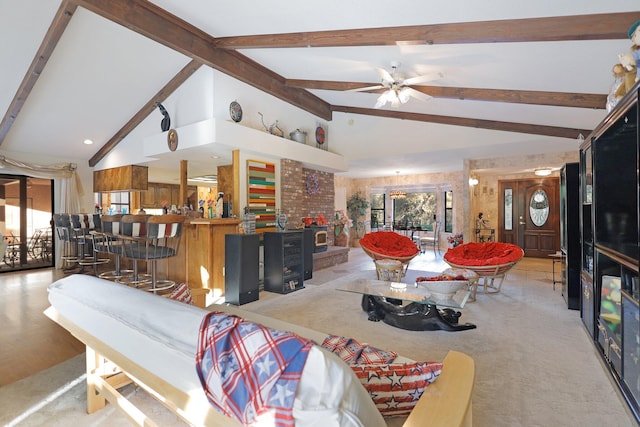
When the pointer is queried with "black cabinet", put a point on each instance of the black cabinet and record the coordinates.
(241, 265)
(309, 243)
(570, 233)
(588, 297)
(283, 261)
(631, 345)
(609, 182)
(587, 304)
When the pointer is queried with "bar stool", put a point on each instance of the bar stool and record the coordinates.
(160, 240)
(108, 241)
(82, 226)
(62, 224)
(133, 228)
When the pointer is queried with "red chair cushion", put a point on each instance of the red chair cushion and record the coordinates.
(389, 243)
(488, 253)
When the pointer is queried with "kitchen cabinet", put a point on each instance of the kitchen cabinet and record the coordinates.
(156, 193)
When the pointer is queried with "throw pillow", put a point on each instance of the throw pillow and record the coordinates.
(355, 353)
(396, 388)
(181, 293)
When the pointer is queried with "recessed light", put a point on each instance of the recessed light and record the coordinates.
(88, 141)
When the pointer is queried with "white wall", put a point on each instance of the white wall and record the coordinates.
(190, 103)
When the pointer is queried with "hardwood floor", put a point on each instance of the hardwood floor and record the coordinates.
(30, 342)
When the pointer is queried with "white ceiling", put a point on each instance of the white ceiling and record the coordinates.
(100, 74)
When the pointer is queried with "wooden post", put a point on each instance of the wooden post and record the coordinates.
(183, 182)
(237, 209)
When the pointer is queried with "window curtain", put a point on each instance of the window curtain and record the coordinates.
(70, 186)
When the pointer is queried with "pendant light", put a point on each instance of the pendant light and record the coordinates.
(397, 194)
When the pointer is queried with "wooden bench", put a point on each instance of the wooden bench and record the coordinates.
(446, 403)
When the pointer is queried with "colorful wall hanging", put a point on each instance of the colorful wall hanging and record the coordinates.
(261, 194)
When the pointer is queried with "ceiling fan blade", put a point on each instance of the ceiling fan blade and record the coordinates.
(364, 89)
(422, 79)
(416, 94)
(385, 76)
(382, 99)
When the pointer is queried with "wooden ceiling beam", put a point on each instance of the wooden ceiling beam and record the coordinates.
(558, 99)
(462, 121)
(51, 39)
(604, 26)
(146, 110)
(157, 24)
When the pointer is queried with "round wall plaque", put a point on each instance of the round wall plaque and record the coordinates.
(172, 139)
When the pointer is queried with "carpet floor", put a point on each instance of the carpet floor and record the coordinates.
(535, 364)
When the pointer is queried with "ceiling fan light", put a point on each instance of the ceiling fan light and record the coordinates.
(403, 95)
(542, 172)
(390, 95)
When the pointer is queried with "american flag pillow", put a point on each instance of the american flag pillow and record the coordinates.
(355, 353)
(396, 388)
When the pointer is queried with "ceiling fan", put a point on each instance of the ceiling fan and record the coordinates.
(398, 89)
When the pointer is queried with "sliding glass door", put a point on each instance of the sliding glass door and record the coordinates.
(26, 206)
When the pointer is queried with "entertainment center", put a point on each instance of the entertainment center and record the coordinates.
(610, 243)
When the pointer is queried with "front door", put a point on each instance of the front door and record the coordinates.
(529, 215)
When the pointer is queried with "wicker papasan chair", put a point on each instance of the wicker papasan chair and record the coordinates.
(489, 260)
(389, 245)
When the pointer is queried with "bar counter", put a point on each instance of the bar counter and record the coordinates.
(200, 259)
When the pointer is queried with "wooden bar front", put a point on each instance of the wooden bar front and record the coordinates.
(200, 259)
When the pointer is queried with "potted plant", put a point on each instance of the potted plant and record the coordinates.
(357, 206)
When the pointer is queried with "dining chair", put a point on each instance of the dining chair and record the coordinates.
(431, 239)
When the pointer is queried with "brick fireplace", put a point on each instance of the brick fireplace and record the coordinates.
(297, 202)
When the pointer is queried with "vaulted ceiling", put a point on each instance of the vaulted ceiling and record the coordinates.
(516, 79)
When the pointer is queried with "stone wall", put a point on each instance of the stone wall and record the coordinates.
(299, 201)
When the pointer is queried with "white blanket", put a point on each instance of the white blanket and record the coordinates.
(161, 335)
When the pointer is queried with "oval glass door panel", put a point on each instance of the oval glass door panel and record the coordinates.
(539, 208)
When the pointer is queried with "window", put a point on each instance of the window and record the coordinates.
(112, 203)
(377, 211)
(448, 211)
(417, 209)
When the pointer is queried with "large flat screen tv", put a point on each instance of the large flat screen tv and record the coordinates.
(615, 183)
